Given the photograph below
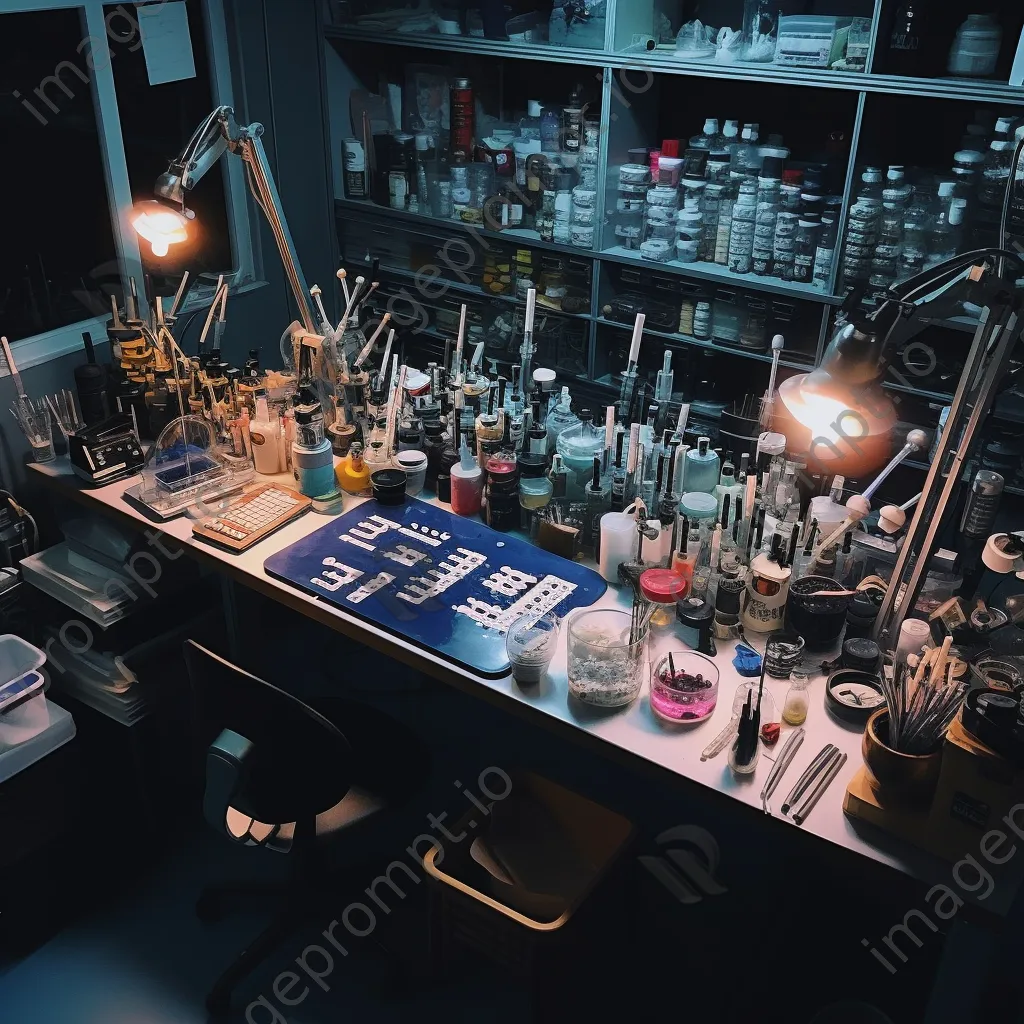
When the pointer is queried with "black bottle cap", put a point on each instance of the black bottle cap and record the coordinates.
(444, 488)
(772, 167)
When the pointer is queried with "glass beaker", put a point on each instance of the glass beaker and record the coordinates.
(531, 644)
(604, 667)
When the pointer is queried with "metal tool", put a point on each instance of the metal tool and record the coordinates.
(808, 776)
(785, 759)
(831, 770)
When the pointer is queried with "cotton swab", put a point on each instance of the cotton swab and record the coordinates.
(317, 296)
(179, 296)
(459, 342)
(342, 276)
(368, 347)
(768, 402)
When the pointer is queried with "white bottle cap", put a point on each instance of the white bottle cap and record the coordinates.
(534, 108)
(710, 126)
(946, 189)
(732, 129)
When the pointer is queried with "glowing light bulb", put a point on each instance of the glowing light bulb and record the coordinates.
(159, 225)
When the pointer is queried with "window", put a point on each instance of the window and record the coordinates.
(91, 136)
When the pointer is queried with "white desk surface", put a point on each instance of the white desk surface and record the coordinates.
(635, 729)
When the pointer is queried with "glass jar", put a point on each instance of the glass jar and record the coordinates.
(662, 587)
(604, 666)
(502, 493)
(531, 644)
(741, 238)
(535, 488)
(684, 687)
(794, 711)
(805, 245)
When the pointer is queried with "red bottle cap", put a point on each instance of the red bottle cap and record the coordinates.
(662, 586)
(793, 176)
(670, 147)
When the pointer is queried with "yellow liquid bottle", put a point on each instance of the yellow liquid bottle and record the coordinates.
(352, 473)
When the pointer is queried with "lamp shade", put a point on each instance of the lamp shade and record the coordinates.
(159, 225)
(843, 428)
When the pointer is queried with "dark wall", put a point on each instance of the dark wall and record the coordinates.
(277, 60)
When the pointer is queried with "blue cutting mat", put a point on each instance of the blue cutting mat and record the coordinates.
(448, 584)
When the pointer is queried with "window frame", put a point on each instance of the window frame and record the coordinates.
(41, 348)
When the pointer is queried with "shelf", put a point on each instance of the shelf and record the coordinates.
(688, 339)
(903, 389)
(470, 44)
(721, 275)
(520, 236)
(664, 61)
(472, 291)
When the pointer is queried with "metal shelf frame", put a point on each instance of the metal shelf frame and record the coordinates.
(663, 61)
(611, 66)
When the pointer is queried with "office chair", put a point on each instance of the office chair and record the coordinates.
(279, 775)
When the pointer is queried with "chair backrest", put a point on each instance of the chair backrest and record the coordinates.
(299, 764)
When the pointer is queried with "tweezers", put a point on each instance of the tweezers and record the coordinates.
(808, 776)
(785, 759)
(835, 763)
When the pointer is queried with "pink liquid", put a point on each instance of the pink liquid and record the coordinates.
(466, 494)
(683, 707)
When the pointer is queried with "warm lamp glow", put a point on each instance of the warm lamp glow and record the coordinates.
(159, 225)
(843, 430)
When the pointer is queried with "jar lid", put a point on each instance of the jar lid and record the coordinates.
(861, 653)
(412, 461)
(663, 586)
(500, 466)
(698, 505)
(638, 155)
(533, 464)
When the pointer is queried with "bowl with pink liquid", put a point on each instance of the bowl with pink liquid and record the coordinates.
(684, 687)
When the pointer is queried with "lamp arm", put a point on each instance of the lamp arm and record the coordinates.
(207, 145)
(264, 190)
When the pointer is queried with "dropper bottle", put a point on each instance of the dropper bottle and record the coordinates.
(538, 437)
(597, 505)
(559, 477)
(618, 502)
(667, 509)
(663, 389)
(467, 483)
(516, 409)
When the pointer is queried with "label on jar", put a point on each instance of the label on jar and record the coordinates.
(398, 189)
(355, 179)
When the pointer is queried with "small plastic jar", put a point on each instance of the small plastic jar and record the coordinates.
(634, 174)
(414, 464)
(662, 587)
(687, 251)
(658, 250)
(582, 236)
(584, 197)
(633, 192)
(663, 196)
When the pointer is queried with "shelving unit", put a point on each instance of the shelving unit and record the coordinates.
(645, 95)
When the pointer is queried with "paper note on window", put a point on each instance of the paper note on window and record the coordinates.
(166, 42)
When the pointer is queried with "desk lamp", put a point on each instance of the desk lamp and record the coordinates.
(847, 385)
(164, 222)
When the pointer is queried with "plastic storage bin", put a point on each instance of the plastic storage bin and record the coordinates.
(510, 921)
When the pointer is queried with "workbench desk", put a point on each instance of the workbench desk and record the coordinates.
(633, 732)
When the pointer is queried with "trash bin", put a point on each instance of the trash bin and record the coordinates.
(514, 892)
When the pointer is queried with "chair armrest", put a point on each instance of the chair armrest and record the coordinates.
(225, 771)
